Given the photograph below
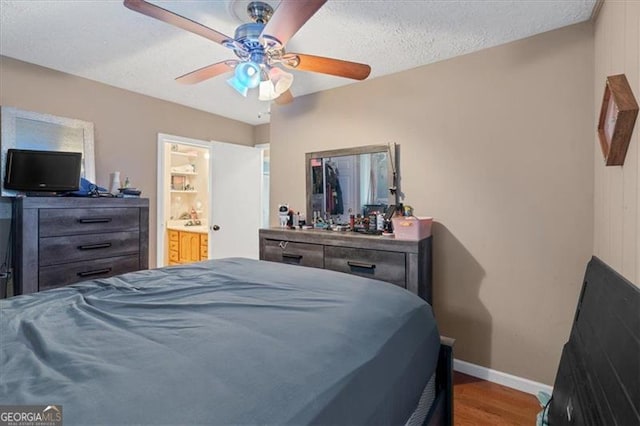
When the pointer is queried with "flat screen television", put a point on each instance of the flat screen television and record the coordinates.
(42, 171)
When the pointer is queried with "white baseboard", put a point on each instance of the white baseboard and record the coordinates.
(505, 379)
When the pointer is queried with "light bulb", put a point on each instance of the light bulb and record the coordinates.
(248, 73)
(267, 91)
(281, 80)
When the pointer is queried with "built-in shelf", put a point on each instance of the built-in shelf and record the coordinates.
(184, 174)
(183, 192)
(184, 154)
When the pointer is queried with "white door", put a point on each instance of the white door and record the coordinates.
(235, 200)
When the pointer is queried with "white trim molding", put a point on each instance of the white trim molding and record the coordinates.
(505, 379)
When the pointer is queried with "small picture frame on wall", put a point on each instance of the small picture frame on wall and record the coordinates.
(617, 118)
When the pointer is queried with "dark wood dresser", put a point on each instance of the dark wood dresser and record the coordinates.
(64, 240)
(404, 263)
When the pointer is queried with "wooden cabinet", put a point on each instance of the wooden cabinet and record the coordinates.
(174, 247)
(204, 246)
(187, 247)
(403, 263)
(60, 241)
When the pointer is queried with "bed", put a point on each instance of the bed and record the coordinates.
(232, 341)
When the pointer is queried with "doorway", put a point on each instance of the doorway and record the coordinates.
(183, 200)
(209, 200)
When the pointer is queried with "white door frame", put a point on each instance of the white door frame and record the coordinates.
(265, 200)
(163, 139)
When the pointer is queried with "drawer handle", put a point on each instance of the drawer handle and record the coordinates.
(361, 265)
(94, 246)
(292, 256)
(95, 220)
(94, 272)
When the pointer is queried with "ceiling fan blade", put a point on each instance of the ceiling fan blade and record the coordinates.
(331, 66)
(285, 98)
(207, 72)
(164, 15)
(289, 17)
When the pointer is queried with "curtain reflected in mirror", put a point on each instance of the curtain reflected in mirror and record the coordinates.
(344, 185)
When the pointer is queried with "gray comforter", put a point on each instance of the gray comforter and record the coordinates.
(231, 341)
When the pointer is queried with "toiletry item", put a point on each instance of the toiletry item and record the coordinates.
(114, 185)
(372, 222)
(127, 184)
(379, 222)
(193, 213)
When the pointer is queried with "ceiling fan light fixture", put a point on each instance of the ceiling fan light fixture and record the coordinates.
(267, 91)
(248, 74)
(237, 84)
(281, 80)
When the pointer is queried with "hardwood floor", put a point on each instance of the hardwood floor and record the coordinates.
(478, 402)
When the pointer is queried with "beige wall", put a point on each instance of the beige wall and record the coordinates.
(497, 146)
(617, 205)
(261, 133)
(126, 123)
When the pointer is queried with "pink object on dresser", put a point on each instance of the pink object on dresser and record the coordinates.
(411, 227)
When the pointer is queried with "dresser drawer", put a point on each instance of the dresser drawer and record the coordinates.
(58, 222)
(294, 253)
(69, 273)
(57, 250)
(378, 264)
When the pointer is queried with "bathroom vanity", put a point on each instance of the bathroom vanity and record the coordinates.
(188, 244)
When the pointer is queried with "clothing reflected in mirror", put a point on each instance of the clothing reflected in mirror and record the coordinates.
(333, 192)
(349, 185)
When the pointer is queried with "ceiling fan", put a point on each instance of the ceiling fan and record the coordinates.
(260, 48)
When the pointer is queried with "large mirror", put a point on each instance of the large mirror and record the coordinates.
(32, 130)
(355, 181)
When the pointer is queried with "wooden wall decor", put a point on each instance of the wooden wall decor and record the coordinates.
(617, 118)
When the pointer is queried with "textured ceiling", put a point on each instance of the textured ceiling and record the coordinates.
(106, 42)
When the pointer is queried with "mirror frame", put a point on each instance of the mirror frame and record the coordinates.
(8, 116)
(367, 149)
